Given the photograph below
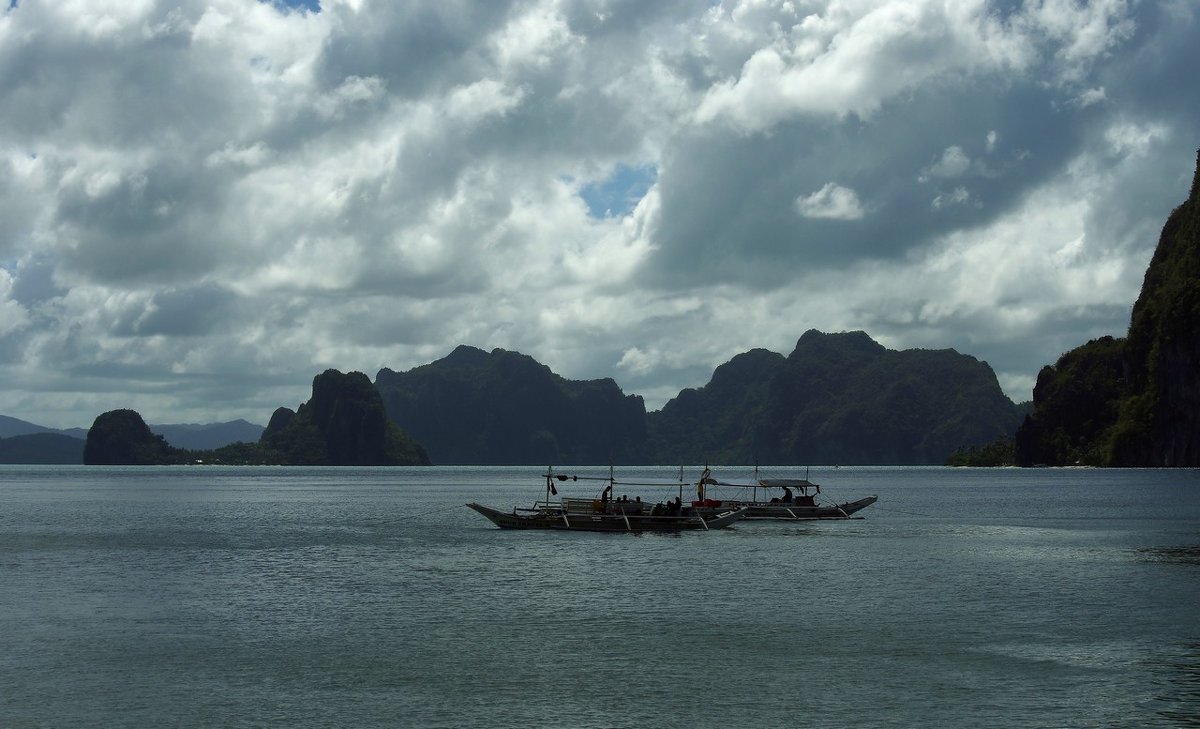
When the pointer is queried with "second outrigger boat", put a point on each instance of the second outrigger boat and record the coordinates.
(789, 506)
(607, 514)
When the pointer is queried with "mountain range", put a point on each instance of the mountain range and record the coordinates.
(10, 427)
(836, 399)
(25, 442)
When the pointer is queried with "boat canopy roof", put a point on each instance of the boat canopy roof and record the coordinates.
(789, 483)
(765, 483)
(770, 483)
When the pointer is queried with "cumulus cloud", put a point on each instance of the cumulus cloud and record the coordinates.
(832, 202)
(13, 316)
(203, 204)
(954, 162)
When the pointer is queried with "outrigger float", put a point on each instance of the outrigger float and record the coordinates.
(789, 506)
(607, 514)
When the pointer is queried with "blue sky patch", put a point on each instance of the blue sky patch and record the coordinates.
(620, 193)
(313, 6)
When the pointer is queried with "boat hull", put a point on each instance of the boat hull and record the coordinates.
(762, 511)
(562, 520)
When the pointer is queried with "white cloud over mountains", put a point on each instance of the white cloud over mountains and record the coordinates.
(204, 204)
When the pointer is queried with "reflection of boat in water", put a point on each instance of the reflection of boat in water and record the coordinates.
(797, 501)
(607, 514)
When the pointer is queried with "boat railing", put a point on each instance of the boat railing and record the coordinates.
(599, 506)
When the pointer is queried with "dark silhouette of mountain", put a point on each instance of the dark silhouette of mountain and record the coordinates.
(343, 424)
(68, 448)
(1077, 402)
(122, 438)
(12, 426)
(504, 408)
(1132, 401)
(713, 423)
(46, 447)
(837, 398)
(208, 436)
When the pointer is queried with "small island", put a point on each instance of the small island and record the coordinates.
(343, 424)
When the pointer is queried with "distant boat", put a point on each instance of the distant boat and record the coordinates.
(607, 514)
(796, 500)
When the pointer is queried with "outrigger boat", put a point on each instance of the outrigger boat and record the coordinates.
(606, 514)
(788, 506)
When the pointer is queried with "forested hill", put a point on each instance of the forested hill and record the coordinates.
(1132, 401)
(343, 424)
(838, 398)
(505, 408)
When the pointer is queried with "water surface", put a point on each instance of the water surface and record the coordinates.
(206, 596)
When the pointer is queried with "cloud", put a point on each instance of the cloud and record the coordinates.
(831, 202)
(203, 204)
(854, 58)
(957, 196)
(954, 162)
(13, 316)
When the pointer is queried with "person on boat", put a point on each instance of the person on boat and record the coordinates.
(606, 493)
(787, 495)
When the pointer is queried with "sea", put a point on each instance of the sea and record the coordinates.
(208, 596)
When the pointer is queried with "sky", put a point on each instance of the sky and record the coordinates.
(203, 205)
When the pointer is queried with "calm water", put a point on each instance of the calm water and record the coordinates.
(201, 597)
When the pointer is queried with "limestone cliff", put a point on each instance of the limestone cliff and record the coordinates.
(1146, 410)
(344, 424)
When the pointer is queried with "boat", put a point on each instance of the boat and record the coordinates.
(606, 514)
(796, 500)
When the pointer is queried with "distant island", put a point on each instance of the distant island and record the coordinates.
(343, 424)
(836, 399)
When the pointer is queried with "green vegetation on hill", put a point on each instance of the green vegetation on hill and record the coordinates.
(344, 424)
(1000, 452)
(41, 448)
(505, 408)
(1078, 399)
(1132, 401)
(715, 423)
(122, 438)
(837, 398)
